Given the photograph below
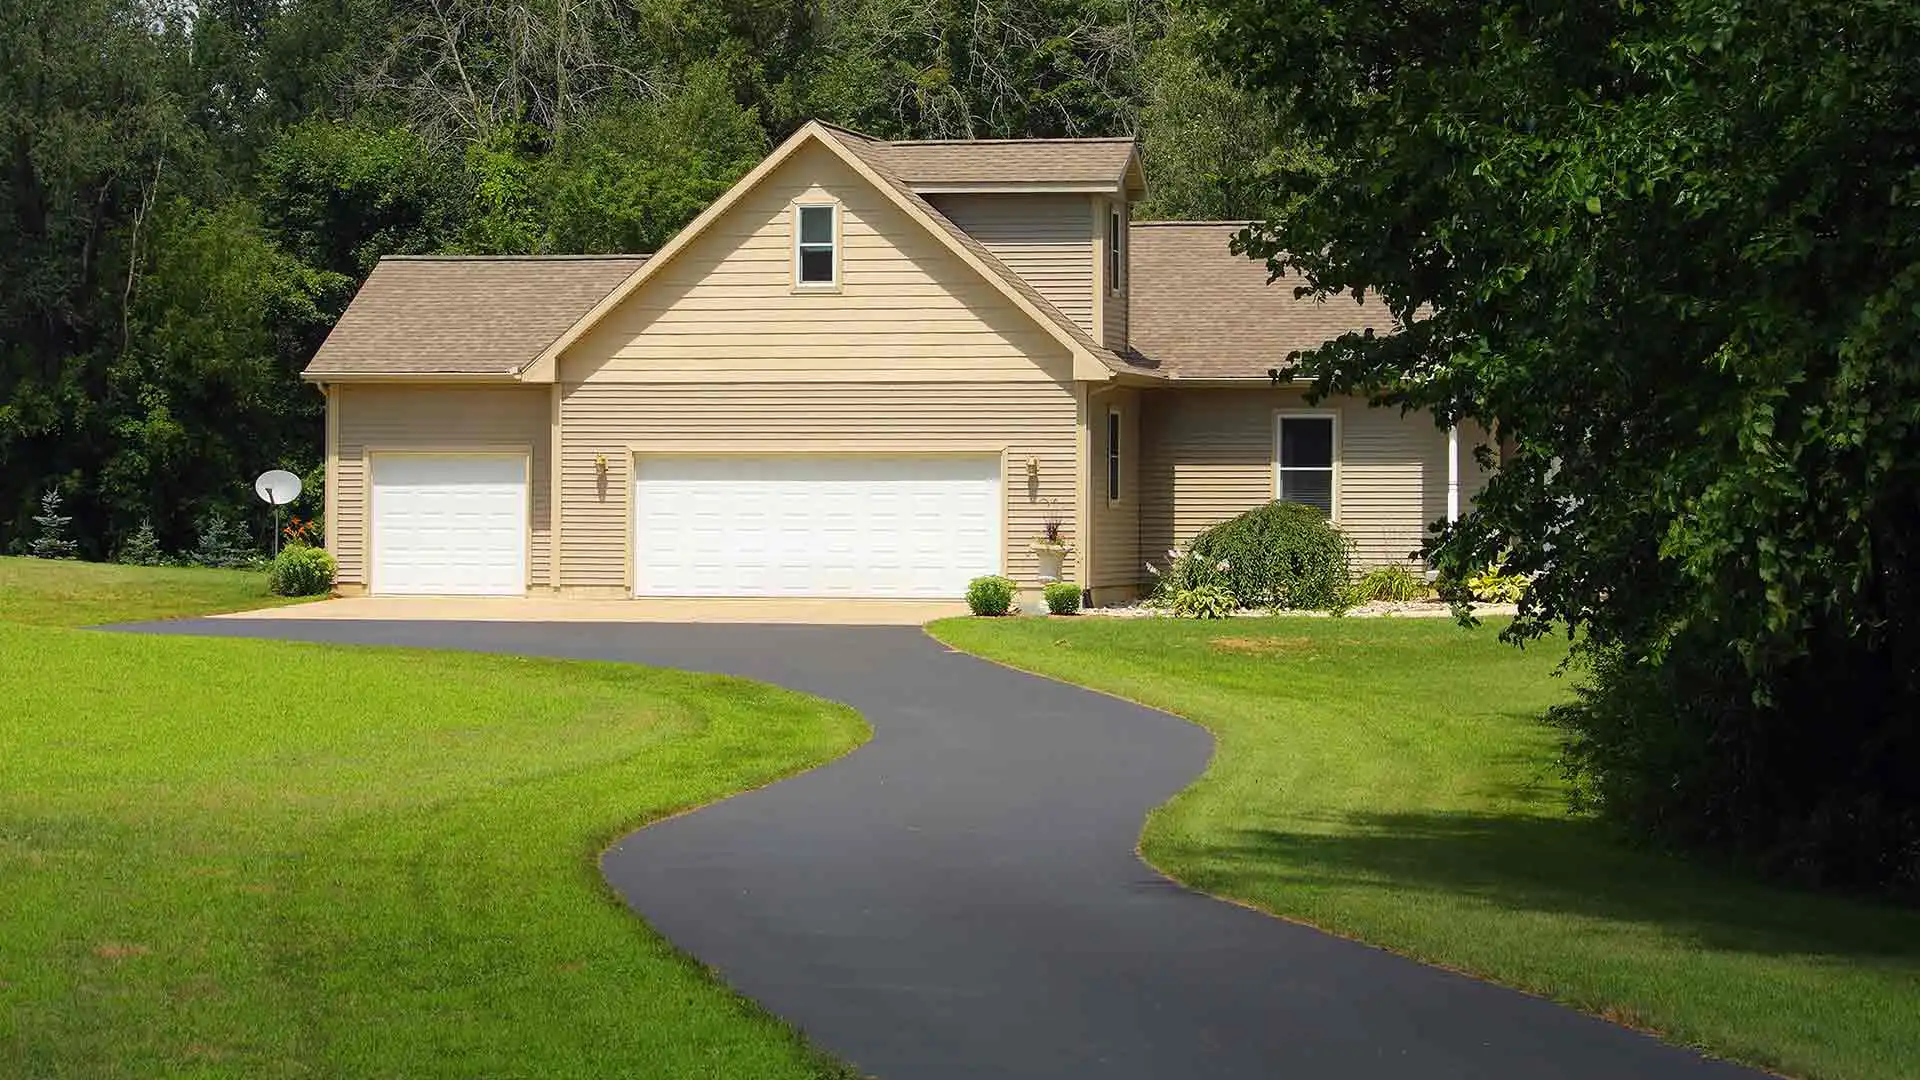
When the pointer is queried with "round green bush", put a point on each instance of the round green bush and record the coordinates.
(1063, 597)
(301, 571)
(990, 595)
(1281, 555)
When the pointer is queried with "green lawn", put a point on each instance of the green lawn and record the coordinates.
(44, 592)
(376, 863)
(1389, 780)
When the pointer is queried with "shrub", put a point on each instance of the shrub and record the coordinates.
(1281, 555)
(1063, 597)
(1682, 754)
(301, 571)
(142, 548)
(1395, 584)
(1490, 586)
(1203, 602)
(220, 544)
(990, 595)
(52, 543)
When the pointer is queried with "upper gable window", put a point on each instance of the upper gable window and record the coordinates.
(1116, 252)
(815, 233)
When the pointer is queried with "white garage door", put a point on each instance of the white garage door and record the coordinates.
(450, 525)
(815, 526)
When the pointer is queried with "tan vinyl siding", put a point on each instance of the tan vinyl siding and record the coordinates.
(1116, 526)
(1208, 455)
(725, 309)
(1043, 238)
(431, 418)
(1016, 419)
(913, 353)
(1113, 313)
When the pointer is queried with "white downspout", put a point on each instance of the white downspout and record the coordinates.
(1453, 473)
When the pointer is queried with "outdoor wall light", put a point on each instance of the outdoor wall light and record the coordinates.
(1033, 466)
(600, 462)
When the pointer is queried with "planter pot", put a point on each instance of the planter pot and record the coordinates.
(1052, 558)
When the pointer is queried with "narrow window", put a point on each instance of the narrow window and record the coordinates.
(813, 246)
(1113, 456)
(1116, 260)
(1306, 461)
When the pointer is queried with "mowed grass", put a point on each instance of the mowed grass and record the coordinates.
(49, 592)
(228, 858)
(1390, 780)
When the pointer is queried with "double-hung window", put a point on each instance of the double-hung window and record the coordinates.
(815, 262)
(1305, 451)
(1113, 455)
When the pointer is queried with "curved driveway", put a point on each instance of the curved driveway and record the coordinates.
(961, 897)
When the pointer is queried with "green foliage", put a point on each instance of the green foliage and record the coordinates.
(301, 571)
(341, 195)
(1816, 802)
(142, 548)
(1205, 601)
(1206, 140)
(221, 544)
(52, 543)
(630, 177)
(1063, 597)
(1394, 584)
(990, 595)
(1673, 252)
(1494, 586)
(1281, 555)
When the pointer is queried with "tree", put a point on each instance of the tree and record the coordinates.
(944, 69)
(1209, 144)
(1672, 252)
(52, 543)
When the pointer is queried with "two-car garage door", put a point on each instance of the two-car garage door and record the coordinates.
(806, 525)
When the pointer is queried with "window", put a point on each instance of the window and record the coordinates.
(1113, 455)
(1305, 458)
(1116, 253)
(814, 257)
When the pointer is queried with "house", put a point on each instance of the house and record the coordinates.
(870, 369)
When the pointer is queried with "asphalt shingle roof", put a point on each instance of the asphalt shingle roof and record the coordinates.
(451, 315)
(1198, 311)
(1091, 162)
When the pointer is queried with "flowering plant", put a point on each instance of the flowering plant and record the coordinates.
(298, 532)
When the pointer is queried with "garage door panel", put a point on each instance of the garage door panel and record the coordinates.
(815, 526)
(449, 524)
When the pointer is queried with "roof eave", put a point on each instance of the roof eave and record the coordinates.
(1065, 187)
(333, 377)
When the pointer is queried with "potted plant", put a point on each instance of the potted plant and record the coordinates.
(1051, 547)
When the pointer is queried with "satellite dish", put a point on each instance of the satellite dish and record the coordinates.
(277, 486)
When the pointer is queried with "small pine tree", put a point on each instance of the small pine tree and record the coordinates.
(52, 543)
(220, 544)
(143, 548)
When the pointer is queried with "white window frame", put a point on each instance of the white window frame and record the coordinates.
(1115, 462)
(1280, 416)
(832, 246)
(1116, 253)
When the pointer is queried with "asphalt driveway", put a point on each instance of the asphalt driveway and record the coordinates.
(961, 897)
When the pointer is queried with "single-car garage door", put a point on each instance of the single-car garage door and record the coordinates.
(857, 526)
(450, 524)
